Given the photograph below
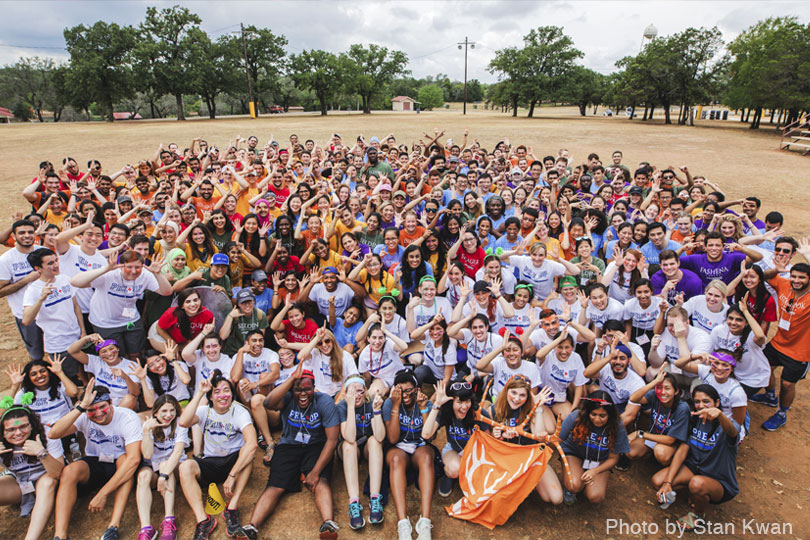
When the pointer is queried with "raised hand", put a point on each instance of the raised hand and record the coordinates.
(89, 394)
(440, 396)
(55, 363)
(15, 374)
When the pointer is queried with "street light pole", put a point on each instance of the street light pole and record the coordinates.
(471, 45)
(252, 104)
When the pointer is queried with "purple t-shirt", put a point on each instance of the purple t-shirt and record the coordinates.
(726, 269)
(690, 285)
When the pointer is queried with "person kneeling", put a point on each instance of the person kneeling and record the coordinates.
(112, 455)
(309, 437)
(229, 444)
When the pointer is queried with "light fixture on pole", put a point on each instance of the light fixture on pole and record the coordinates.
(471, 44)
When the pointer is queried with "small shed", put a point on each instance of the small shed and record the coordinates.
(6, 116)
(126, 116)
(403, 103)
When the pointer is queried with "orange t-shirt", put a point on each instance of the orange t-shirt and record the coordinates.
(406, 238)
(202, 205)
(792, 342)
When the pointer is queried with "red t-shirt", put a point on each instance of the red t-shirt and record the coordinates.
(281, 194)
(300, 335)
(168, 322)
(471, 261)
(293, 264)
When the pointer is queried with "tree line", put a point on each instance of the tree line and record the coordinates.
(168, 65)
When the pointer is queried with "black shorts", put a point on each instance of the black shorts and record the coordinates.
(215, 470)
(131, 339)
(792, 370)
(100, 474)
(293, 460)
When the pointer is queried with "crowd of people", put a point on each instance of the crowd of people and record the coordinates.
(208, 310)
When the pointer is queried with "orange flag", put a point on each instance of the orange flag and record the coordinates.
(495, 477)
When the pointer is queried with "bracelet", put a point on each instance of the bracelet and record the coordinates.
(424, 411)
(667, 482)
(42, 454)
(378, 413)
(80, 409)
(164, 476)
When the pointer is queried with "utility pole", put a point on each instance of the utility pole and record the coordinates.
(251, 104)
(471, 45)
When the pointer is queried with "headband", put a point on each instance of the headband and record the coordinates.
(8, 403)
(307, 374)
(389, 296)
(106, 343)
(497, 252)
(723, 357)
(428, 278)
(602, 402)
(524, 286)
(265, 201)
(383, 291)
(355, 379)
(104, 396)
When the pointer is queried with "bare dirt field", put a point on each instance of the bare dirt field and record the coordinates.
(772, 466)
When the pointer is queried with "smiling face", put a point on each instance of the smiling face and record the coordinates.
(39, 376)
(101, 412)
(428, 290)
(516, 397)
(166, 414)
(211, 348)
(17, 430)
(192, 304)
(222, 397)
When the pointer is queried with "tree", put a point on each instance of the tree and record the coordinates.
(322, 72)
(215, 69)
(31, 80)
(431, 96)
(100, 63)
(167, 37)
(372, 69)
(266, 62)
(583, 87)
(510, 63)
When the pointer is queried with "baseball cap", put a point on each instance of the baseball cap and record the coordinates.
(453, 159)
(124, 198)
(220, 258)
(244, 295)
(481, 286)
(568, 281)
(635, 190)
(384, 187)
(258, 275)
(399, 193)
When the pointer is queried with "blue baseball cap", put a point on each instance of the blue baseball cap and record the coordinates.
(220, 258)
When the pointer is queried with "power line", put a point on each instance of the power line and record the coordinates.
(30, 47)
(432, 53)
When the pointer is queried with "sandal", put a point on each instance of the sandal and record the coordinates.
(268, 454)
(688, 523)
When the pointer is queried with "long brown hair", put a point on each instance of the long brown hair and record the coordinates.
(335, 357)
(502, 403)
(157, 433)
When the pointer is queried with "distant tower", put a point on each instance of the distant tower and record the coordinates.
(649, 34)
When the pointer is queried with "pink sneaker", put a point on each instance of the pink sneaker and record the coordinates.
(168, 530)
(147, 533)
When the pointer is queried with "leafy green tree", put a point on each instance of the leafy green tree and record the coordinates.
(510, 64)
(215, 69)
(31, 80)
(583, 87)
(169, 36)
(431, 96)
(371, 69)
(322, 72)
(100, 66)
(266, 63)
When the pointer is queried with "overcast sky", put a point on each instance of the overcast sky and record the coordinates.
(427, 31)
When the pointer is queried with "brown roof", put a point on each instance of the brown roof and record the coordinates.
(403, 98)
(6, 112)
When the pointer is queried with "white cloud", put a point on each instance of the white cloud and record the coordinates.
(426, 30)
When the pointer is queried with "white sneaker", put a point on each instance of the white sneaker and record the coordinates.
(423, 527)
(404, 529)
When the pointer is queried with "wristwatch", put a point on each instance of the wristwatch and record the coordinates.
(640, 434)
(79, 408)
(164, 476)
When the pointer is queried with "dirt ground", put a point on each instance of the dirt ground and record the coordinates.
(772, 466)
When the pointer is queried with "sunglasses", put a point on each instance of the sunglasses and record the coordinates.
(461, 385)
(783, 250)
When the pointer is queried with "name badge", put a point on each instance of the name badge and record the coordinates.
(784, 324)
(129, 313)
(106, 458)
(302, 437)
(589, 464)
(642, 339)
(26, 487)
(407, 447)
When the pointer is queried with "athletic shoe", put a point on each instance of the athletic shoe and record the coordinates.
(251, 532)
(204, 528)
(356, 520)
(147, 533)
(568, 497)
(765, 399)
(329, 530)
(776, 421)
(233, 525)
(623, 463)
(168, 529)
(445, 486)
(375, 513)
(423, 531)
(404, 529)
(110, 534)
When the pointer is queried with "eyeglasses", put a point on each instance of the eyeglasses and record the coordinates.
(410, 391)
(21, 428)
(456, 386)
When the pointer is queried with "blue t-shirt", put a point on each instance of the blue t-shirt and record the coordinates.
(651, 252)
(714, 454)
(410, 421)
(388, 259)
(596, 448)
(362, 418)
(302, 427)
(505, 244)
(346, 336)
(665, 421)
(458, 434)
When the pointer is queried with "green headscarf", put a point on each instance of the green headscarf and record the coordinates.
(178, 274)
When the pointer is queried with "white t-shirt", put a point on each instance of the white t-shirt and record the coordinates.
(753, 369)
(399, 327)
(619, 289)
(318, 363)
(105, 377)
(476, 350)
(382, 365)
(423, 314)
(176, 388)
(49, 410)
(73, 261)
(343, 298)
(559, 375)
(454, 295)
(731, 393)
(113, 302)
(162, 450)
(254, 366)
(501, 373)
(619, 389)
(495, 325)
(109, 442)
(643, 318)
(56, 316)
(436, 360)
(13, 268)
(613, 311)
(701, 316)
(206, 367)
(521, 318)
(25, 471)
(697, 340)
(508, 280)
(556, 305)
(541, 278)
(222, 433)
(540, 338)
